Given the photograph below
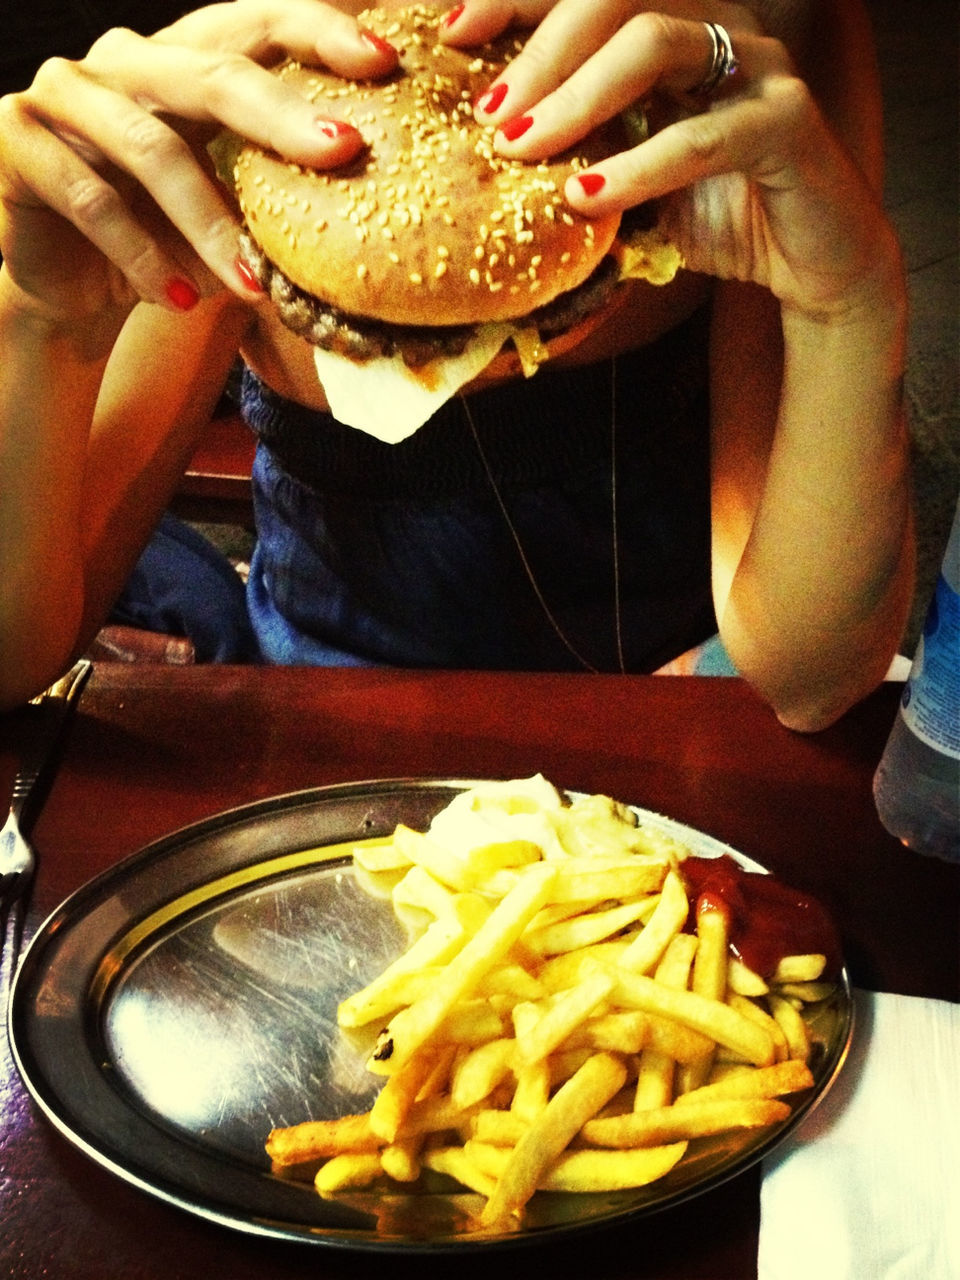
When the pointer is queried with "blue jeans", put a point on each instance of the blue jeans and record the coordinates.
(401, 555)
(183, 585)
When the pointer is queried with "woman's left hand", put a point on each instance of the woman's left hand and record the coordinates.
(754, 184)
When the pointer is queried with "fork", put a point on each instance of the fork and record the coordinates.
(47, 716)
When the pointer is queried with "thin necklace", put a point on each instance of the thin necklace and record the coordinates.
(524, 560)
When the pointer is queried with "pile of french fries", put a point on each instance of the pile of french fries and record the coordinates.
(552, 1024)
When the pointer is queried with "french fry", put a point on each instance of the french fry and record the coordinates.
(744, 980)
(791, 1076)
(624, 1031)
(394, 1101)
(564, 970)
(478, 1074)
(418, 890)
(530, 1097)
(348, 1170)
(414, 1025)
(511, 980)
(499, 1128)
(582, 1096)
(654, 1085)
(439, 861)
(434, 1115)
(806, 992)
(582, 930)
(564, 1015)
(668, 919)
(750, 1009)
(682, 1043)
(563, 1064)
(457, 1164)
(471, 1022)
(792, 1025)
(678, 1122)
(805, 968)
(483, 860)
(709, 980)
(719, 1022)
(379, 997)
(581, 1170)
(401, 1160)
(595, 879)
(436, 1082)
(657, 1067)
(380, 854)
(318, 1139)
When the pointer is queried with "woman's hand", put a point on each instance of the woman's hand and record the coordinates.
(754, 184)
(106, 193)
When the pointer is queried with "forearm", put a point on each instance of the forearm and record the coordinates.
(816, 605)
(95, 430)
(48, 390)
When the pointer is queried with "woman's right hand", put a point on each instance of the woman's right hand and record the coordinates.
(106, 193)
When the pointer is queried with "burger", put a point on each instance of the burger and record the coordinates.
(430, 258)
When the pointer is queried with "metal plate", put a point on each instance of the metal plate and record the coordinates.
(183, 1003)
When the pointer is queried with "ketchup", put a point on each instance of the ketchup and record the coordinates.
(766, 919)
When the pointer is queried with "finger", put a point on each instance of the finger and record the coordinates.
(650, 51)
(752, 136)
(475, 21)
(226, 89)
(566, 35)
(56, 178)
(266, 30)
(146, 148)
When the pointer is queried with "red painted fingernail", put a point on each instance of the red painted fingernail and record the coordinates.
(591, 182)
(333, 128)
(181, 294)
(516, 128)
(247, 276)
(451, 16)
(376, 42)
(491, 100)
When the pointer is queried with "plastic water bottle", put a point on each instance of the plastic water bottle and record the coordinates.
(917, 783)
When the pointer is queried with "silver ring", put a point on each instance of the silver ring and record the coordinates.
(723, 62)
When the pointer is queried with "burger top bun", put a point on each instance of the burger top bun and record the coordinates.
(429, 226)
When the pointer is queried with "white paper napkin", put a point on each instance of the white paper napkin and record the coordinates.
(868, 1188)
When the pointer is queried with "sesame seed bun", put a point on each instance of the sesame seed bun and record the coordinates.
(429, 227)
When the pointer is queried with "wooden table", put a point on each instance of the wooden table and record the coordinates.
(154, 748)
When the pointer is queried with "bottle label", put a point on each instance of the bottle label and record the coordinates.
(931, 696)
